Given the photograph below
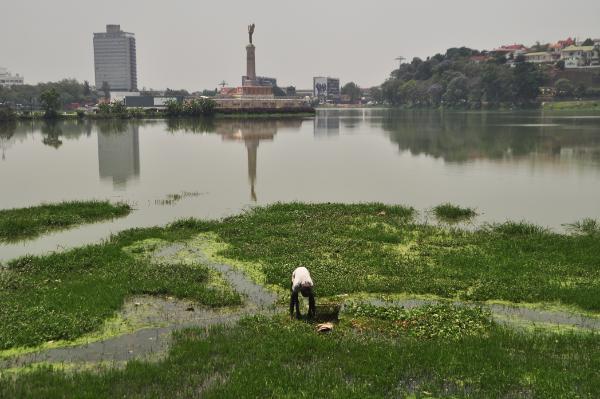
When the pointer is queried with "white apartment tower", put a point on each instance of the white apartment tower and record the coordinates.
(115, 59)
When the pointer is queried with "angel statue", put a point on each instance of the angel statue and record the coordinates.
(251, 31)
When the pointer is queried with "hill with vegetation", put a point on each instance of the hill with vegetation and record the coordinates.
(465, 78)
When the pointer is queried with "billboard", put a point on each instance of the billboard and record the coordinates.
(326, 89)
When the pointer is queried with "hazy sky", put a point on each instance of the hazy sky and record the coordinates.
(197, 44)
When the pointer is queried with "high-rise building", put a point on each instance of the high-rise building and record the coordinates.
(115, 59)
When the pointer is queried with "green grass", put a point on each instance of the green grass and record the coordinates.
(350, 249)
(63, 296)
(453, 214)
(278, 358)
(585, 227)
(444, 321)
(378, 249)
(588, 105)
(24, 223)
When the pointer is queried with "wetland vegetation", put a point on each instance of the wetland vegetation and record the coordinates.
(453, 214)
(276, 357)
(23, 223)
(436, 350)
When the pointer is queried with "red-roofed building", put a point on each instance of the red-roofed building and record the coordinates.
(511, 51)
(561, 44)
(567, 43)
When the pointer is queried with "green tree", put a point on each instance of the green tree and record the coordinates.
(50, 100)
(391, 90)
(7, 114)
(457, 91)
(192, 108)
(118, 108)
(376, 94)
(353, 91)
(86, 88)
(435, 93)
(527, 80)
(176, 93)
(173, 108)
(588, 42)
(106, 90)
(104, 108)
(210, 93)
(208, 106)
(408, 92)
(564, 88)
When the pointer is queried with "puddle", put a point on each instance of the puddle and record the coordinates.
(164, 315)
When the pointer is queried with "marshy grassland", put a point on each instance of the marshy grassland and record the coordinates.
(450, 213)
(276, 357)
(582, 105)
(439, 350)
(24, 223)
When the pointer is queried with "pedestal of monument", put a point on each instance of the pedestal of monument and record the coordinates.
(251, 87)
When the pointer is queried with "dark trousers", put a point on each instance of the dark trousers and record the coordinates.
(295, 304)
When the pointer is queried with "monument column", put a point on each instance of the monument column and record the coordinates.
(251, 62)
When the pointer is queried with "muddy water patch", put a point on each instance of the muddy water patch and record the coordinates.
(507, 314)
(157, 317)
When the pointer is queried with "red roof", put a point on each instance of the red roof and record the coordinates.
(567, 43)
(511, 48)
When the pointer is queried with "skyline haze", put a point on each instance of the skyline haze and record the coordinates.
(196, 46)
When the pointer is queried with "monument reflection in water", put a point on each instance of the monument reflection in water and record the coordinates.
(252, 133)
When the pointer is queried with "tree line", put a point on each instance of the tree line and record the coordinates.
(29, 96)
(453, 79)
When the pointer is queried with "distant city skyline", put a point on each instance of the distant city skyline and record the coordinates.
(196, 46)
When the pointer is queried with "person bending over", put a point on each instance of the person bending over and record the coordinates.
(303, 284)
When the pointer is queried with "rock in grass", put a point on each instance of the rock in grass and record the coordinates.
(324, 327)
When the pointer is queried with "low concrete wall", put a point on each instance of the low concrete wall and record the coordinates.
(263, 105)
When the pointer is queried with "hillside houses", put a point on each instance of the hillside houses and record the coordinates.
(581, 56)
(572, 53)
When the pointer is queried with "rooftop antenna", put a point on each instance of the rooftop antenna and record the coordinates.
(223, 84)
(400, 59)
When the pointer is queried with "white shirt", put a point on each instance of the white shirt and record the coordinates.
(301, 278)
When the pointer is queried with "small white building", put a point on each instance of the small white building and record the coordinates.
(540, 58)
(7, 79)
(577, 56)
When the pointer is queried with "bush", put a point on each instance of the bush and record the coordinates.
(564, 88)
(192, 108)
(452, 213)
(136, 112)
(7, 114)
(104, 108)
(118, 108)
(435, 321)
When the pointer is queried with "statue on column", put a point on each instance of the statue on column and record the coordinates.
(251, 31)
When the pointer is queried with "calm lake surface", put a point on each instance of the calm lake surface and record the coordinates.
(539, 167)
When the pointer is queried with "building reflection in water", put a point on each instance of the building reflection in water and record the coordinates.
(327, 123)
(7, 130)
(119, 155)
(252, 133)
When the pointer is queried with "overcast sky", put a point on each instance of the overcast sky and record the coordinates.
(197, 44)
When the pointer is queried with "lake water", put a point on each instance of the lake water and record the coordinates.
(542, 168)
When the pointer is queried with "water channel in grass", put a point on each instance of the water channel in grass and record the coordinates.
(534, 166)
